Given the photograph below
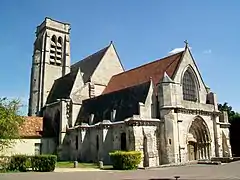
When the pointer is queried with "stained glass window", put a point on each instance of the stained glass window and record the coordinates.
(189, 87)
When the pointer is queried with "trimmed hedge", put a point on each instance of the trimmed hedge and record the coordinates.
(19, 163)
(40, 163)
(125, 160)
(44, 163)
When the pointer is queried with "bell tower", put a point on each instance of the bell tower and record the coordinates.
(51, 60)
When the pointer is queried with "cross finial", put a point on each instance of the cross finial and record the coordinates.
(186, 43)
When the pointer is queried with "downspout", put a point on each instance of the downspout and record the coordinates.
(179, 147)
(215, 136)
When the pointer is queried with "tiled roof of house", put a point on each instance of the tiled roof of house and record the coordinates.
(141, 74)
(31, 127)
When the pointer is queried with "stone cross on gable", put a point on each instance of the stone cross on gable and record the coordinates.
(186, 43)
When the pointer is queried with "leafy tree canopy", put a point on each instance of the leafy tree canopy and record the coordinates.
(232, 115)
(10, 120)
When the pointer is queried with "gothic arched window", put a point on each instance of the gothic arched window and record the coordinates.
(189, 87)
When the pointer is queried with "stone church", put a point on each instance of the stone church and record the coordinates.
(92, 107)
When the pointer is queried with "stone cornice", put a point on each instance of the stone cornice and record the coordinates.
(196, 112)
(142, 123)
(53, 29)
(224, 125)
(134, 121)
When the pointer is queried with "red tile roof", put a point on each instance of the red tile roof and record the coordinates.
(141, 74)
(31, 127)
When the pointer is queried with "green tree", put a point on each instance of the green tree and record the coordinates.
(226, 107)
(234, 119)
(10, 120)
(232, 115)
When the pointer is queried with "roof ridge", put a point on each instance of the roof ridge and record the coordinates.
(162, 59)
(89, 56)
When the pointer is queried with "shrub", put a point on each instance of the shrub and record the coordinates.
(125, 160)
(4, 163)
(19, 163)
(43, 163)
(22, 163)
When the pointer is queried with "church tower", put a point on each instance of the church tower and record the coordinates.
(51, 60)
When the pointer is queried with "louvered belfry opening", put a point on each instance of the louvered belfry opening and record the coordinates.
(56, 51)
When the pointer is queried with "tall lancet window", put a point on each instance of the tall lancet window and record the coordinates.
(56, 51)
(189, 87)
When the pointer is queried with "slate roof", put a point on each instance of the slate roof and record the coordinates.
(142, 73)
(125, 102)
(89, 64)
(62, 87)
(31, 127)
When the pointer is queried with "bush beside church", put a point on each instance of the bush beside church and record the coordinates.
(23, 163)
(125, 160)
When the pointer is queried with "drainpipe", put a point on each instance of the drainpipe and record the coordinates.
(179, 147)
(215, 135)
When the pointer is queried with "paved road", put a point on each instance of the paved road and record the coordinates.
(226, 171)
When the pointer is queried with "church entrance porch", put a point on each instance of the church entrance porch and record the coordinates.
(198, 140)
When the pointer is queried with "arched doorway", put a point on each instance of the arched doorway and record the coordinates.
(198, 140)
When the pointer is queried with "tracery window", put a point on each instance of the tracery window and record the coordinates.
(189, 87)
(56, 51)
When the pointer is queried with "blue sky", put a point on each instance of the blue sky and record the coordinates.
(142, 31)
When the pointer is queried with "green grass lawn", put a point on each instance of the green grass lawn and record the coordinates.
(69, 164)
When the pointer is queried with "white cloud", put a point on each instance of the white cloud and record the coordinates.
(176, 50)
(208, 51)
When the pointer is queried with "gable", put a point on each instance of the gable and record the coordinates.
(109, 66)
(89, 64)
(188, 62)
(80, 90)
(154, 70)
